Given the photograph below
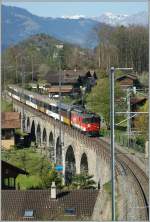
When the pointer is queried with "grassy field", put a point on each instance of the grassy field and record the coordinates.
(34, 163)
(6, 106)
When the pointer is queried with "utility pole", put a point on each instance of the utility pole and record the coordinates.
(16, 71)
(32, 66)
(22, 91)
(60, 144)
(4, 73)
(112, 126)
(112, 114)
(99, 58)
(82, 92)
(59, 47)
(128, 116)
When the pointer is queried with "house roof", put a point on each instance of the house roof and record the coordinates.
(9, 170)
(67, 76)
(130, 76)
(64, 88)
(15, 202)
(138, 100)
(10, 120)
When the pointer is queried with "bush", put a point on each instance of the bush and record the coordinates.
(29, 182)
(107, 187)
(51, 176)
(28, 87)
(140, 141)
(103, 132)
(20, 133)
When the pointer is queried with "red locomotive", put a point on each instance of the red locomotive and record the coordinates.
(89, 123)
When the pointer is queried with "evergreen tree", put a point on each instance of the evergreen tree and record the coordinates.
(83, 181)
(51, 176)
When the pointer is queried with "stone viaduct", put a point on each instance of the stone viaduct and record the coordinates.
(77, 152)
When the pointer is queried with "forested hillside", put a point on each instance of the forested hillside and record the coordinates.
(118, 46)
(34, 57)
(123, 47)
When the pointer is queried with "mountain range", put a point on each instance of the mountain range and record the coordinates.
(18, 24)
(140, 18)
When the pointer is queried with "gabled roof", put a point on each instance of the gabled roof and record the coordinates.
(67, 76)
(138, 100)
(80, 202)
(64, 88)
(9, 169)
(10, 120)
(130, 76)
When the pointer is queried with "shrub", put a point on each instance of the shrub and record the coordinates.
(140, 141)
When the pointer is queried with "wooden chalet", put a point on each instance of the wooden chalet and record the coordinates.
(65, 89)
(127, 81)
(10, 122)
(9, 174)
(71, 81)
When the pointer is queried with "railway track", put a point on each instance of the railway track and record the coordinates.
(141, 205)
(123, 162)
(139, 178)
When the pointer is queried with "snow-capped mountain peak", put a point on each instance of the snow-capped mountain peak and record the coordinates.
(73, 16)
(110, 18)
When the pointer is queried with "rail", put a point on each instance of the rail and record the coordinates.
(140, 178)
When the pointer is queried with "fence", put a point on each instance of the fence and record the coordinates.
(122, 139)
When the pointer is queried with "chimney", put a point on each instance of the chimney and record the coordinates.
(53, 191)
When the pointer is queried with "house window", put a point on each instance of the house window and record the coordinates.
(70, 211)
(28, 213)
(3, 134)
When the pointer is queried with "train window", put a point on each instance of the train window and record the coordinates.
(46, 106)
(26, 97)
(86, 120)
(49, 107)
(91, 120)
(54, 109)
(96, 119)
(41, 104)
(33, 100)
(38, 103)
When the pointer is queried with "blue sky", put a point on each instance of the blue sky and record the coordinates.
(58, 9)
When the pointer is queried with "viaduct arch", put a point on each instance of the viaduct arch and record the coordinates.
(84, 164)
(70, 165)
